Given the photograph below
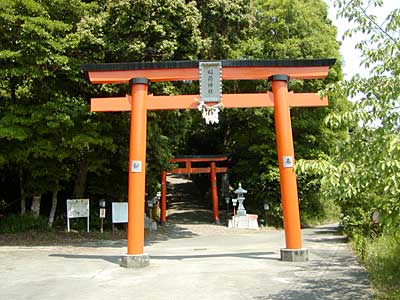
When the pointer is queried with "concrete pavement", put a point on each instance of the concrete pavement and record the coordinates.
(235, 265)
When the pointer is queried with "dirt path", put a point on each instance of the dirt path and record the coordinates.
(186, 204)
(190, 212)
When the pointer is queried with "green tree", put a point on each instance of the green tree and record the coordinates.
(224, 24)
(44, 120)
(280, 29)
(362, 174)
(144, 31)
(150, 30)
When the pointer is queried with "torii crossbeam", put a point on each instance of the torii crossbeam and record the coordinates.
(138, 75)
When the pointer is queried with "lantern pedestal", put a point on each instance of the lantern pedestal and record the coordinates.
(244, 222)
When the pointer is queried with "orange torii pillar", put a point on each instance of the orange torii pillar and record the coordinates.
(288, 181)
(214, 192)
(139, 74)
(137, 175)
(163, 206)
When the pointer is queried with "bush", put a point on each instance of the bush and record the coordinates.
(319, 211)
(382, 261)
(22, 223)
(380, 256)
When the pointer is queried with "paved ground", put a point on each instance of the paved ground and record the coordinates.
(208, 266)
(189, 260)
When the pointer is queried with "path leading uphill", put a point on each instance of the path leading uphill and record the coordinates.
(186, 203)
(190, 208)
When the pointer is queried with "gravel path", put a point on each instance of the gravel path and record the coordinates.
(189, 212)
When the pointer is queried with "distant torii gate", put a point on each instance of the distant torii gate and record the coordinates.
(188, 160)
(138, 75)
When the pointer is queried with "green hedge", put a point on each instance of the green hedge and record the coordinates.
(22, 223)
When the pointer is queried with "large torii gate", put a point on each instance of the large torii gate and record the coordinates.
(139, 75)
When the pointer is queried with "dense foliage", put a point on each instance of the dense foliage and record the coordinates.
(362, 174)
(280, 29)
(45, 127)
(53, 148)
(368, 181)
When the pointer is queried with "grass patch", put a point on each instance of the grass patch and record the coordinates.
(22, 223)
(57, 238)
(27, 230)
(382, 261)
(326, 212)
(381, 258)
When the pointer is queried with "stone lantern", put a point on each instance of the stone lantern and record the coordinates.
(241, 211)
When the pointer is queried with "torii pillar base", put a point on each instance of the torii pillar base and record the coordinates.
(135, 261)
(294, 255)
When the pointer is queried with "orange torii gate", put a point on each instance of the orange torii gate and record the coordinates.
(188, 160)
(139, 75)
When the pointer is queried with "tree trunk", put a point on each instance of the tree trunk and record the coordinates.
(80, 181)
(22, 191)
(35, 208)
(53, 207)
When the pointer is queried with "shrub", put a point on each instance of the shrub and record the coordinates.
(380, 256)
(382, 261)
(22, 223)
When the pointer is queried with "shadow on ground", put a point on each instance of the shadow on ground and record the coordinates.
(330, 240)
(320, 288)
(109, 258)
(117, 259)
(335, 275)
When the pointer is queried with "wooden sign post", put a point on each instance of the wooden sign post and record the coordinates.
(138, 75)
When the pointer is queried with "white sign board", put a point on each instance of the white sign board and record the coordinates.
(136, 166)
(210, 74)
(77, 208)
(120, 212)
(288, 162)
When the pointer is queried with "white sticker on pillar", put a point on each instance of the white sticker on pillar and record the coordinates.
(136, 166)
(288, 162)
